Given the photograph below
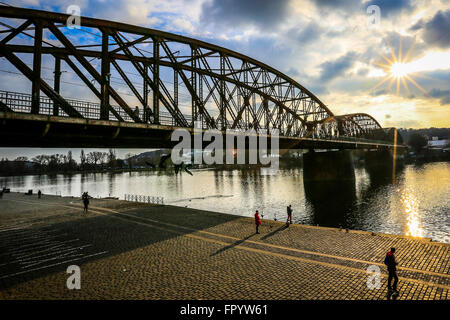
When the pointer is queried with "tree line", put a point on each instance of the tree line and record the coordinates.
(417, 139)
(63, 163)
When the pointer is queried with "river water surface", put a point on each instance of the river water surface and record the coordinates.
(416, 202)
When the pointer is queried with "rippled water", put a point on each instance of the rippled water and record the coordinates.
(417, 203)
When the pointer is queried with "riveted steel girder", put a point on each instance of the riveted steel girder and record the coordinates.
(225, 89)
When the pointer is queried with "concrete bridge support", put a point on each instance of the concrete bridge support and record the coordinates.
(329, 182)
(382, 164)
(328, 166)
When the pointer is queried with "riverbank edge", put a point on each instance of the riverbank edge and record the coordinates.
(273, 222)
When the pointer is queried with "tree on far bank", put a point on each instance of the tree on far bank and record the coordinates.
(112, 157)
(417, 142)
(71, 163)
(83, 160)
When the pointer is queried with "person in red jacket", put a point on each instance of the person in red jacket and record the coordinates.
(257, 221)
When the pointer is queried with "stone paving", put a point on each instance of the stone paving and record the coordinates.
(139, 251)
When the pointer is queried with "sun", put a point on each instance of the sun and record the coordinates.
(399, 69)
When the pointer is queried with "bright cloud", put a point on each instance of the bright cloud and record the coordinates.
(430, 62)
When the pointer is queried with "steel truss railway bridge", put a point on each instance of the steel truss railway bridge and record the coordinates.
(182, 82)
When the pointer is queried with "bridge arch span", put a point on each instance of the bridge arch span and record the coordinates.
(181, 79)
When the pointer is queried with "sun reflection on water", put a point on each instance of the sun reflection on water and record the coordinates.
(411, 207)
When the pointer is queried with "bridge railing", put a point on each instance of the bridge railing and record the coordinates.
(144, 198)
(21, 102)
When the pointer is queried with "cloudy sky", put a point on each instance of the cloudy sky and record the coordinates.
(338, 49)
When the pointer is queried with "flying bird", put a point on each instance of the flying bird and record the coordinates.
(183, 166)
(163, 165)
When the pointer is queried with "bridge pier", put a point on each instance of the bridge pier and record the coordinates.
(328, 166)
(329, 182)
(382, 164)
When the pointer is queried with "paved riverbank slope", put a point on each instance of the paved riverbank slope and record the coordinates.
(129, 250)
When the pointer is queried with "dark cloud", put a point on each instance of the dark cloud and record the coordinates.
(305, 34)
(292, 72)
(441, 76)
(417, 26)
(311, 32)
(262, 48)
(318, 89)
(335, 68)
(390, 44)
(436, 31)
(442, 95)
(309, 82)
(348, 5)
(238, 13)
(436, 83)
(387, 7)
(391, 7)
(408, 44)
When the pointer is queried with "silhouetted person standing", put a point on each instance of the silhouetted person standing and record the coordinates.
(39, 194)
(257, 221)
(85, 198)
(289, 215)
(147, 115)
(391, 264)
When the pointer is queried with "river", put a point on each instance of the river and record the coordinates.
(416, 202)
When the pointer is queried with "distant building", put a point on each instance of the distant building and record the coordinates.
(436, 143)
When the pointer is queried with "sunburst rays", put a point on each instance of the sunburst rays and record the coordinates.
(397, 70)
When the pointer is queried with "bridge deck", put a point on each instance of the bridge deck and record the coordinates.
(138, 251)
(46, 131)
(20, 128)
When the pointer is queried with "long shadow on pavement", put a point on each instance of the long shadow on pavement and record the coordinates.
(274, 232)
(234, 244)
(33, 252)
